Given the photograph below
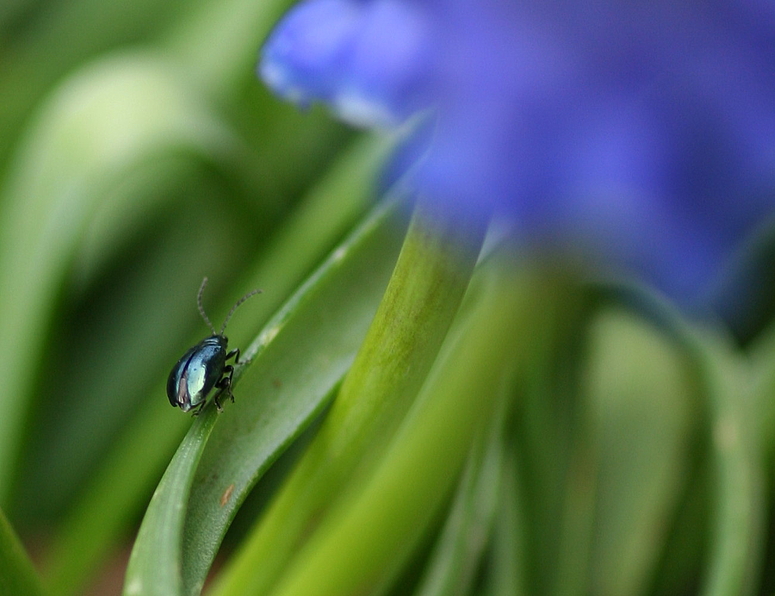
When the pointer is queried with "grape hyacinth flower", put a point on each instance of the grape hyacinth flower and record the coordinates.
(643, 133)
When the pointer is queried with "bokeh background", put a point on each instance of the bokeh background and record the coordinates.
(629, 447)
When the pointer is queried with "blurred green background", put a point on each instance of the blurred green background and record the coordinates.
(139, 153)
(603, 444)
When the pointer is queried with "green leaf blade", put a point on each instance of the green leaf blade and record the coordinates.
(121, 486)
(415, 314)
(372, 531)
(291, 370)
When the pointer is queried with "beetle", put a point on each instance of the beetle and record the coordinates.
(203, 367)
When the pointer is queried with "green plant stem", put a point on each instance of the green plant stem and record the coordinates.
(370, 534)
(425, 291)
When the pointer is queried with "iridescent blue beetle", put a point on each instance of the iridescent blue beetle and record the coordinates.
(204, 366)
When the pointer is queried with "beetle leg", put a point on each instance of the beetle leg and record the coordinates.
(230, 371)
(234, 353)
(225, 382)
(199, 409)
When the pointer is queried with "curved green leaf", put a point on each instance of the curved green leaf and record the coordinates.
(371, 532)
(291, 369)
(646, 420)
(154, 552)
(730, 385)
(118, 491)
(736, 450)
(421, 301)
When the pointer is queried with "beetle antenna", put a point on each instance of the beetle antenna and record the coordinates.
(233, 308)
(201, 308)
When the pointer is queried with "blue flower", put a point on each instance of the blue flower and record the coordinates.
(641, 132)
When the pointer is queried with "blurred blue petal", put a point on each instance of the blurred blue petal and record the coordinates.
(643, 133)
(304, 58)
(363, 58)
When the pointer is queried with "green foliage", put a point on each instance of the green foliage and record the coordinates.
(415, 413)
(17, 575)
